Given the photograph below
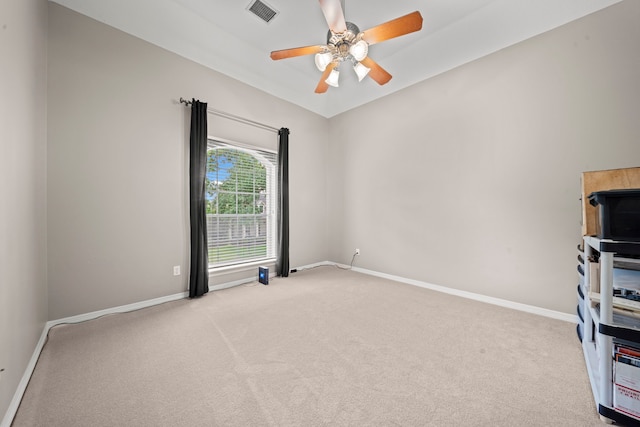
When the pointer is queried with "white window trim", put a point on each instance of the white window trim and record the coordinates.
(226, 269)
(252, 264)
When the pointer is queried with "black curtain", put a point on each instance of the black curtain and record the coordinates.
(199, 272)
(282, 263)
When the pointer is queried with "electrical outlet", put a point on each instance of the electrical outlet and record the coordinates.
(357, 251)
(176, 270)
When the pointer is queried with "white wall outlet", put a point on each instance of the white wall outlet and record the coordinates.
(176, 270)
(357, 251)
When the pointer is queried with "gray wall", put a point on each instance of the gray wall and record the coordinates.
(118, 164)
(471, 179)
(481, 195)
(23, 120)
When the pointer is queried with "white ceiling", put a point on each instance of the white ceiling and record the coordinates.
(224, 36)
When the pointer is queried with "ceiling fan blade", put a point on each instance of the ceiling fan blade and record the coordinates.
(397, 27)
(296, 51)
(332, 10)
(377, 73)
(322, 85)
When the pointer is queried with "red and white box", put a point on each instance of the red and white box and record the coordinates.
(626, 378)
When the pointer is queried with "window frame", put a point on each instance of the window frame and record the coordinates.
(269, 159)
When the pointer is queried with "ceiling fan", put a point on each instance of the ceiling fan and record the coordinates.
(346, 43)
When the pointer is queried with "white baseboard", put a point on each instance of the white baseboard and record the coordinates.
(22, 385)
(317, 264)
(573, 318)
(120, 309)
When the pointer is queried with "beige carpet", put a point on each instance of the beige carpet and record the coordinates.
(322, 347)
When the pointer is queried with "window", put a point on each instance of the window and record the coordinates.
(241, 199)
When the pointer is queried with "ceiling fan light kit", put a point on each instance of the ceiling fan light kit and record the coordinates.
(332, 80)
(345, 41)
(323, 59)
(361, 70)
(359, 50)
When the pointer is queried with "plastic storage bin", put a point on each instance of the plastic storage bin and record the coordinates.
(617, 214)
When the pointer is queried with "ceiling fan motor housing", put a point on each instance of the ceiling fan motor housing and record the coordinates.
(340, 43)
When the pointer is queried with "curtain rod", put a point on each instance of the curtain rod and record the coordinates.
(233, 117)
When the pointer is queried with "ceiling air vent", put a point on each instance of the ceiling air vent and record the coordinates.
(262, 10)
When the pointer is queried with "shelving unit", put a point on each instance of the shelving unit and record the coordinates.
(599, 326)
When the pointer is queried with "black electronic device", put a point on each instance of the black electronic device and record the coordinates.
(263, 275)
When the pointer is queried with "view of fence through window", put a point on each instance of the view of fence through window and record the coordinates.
(239, 197)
